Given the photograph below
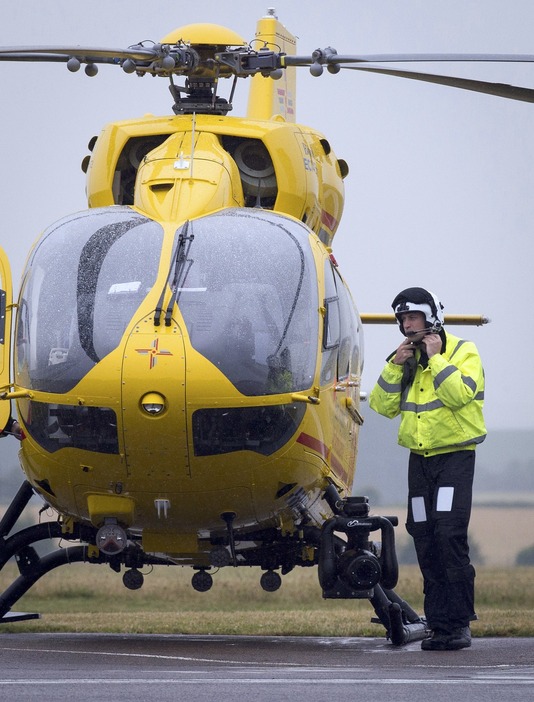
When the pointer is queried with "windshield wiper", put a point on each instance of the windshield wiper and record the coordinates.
(178, 271)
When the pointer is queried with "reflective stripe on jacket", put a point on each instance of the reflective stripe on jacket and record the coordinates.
(441, 410)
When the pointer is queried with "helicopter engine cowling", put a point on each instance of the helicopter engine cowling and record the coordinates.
(190, 165)
(187, 174)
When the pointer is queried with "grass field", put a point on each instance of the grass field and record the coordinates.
(89, 598)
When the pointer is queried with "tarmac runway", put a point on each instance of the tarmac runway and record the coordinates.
(138, 668)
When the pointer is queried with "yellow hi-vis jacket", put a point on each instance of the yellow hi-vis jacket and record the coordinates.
(441, 410)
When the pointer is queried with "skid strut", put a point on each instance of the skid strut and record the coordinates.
(20, 547)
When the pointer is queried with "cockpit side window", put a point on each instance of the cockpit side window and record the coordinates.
(341, 331)
(331, 327)
(349, 357)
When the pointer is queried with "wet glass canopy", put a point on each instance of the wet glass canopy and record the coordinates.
(244, 281)
(83, 283)
(246, 286)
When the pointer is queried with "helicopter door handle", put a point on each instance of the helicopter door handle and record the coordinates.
(354, 414)
(15, 394)
(310, 399)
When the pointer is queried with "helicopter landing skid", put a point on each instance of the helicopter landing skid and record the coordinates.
(18, 617)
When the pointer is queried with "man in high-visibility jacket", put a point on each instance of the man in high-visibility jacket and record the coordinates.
(435, 381)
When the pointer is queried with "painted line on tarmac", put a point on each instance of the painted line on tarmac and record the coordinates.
(171, 657)
(491, 681)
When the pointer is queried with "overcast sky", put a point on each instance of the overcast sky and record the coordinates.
(440, 190)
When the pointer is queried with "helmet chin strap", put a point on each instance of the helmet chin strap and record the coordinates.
(426, 330)
(433, 329)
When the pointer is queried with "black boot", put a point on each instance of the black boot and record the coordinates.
(437, 641)
(460, 638)
(454, 640)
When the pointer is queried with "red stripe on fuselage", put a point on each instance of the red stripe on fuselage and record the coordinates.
(329, 220)
(339, 469)
(313, 443)
(318, 446)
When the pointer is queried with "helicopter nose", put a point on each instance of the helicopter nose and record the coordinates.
(153, 397)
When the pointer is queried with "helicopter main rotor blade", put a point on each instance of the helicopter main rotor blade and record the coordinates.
(164, 59)
(334, 62)
(331, 59)
(427, 58)
(511, 92)
(63, 53)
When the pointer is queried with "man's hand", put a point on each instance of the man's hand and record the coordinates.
(404, 352)
(432, 343)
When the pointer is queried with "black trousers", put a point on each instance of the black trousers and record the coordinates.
(440, 492)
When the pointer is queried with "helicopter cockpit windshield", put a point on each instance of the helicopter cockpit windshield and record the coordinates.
(244, 282)
(247, 291)
(82, 284)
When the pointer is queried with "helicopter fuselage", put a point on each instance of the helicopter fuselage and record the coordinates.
(181, 366)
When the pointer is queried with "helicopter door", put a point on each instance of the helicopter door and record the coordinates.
(342, 364)
(6, 295)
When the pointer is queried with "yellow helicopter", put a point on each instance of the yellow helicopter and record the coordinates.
(187, 356)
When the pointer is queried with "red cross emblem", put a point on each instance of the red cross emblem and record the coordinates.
(153, 352)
